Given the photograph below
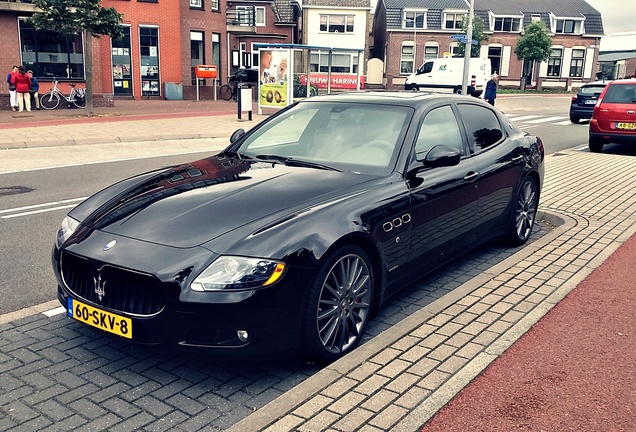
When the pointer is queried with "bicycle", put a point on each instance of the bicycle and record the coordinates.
(227, 91)
(51, 99)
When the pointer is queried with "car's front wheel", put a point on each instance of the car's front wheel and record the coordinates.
(525, 212)
(339, 305)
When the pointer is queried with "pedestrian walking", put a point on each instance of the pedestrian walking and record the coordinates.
(33, 90)
(13, 96)
(491, 89)
(22, 83)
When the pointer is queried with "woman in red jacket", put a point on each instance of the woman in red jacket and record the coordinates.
(22, 82)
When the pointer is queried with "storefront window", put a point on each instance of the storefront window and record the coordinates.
(149, 49)
(122, 71)
(52, 55)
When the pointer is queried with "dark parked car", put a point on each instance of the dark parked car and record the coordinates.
(614, 117)
(583, 102)
(294, 235)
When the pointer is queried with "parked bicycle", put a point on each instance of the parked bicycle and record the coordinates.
(51, 99)
(229, 91)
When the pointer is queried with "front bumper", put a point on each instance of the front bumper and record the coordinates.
(149, 285)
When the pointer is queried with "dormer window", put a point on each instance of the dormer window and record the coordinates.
(507, 24)
(414, 20)
(453, 20)
(568, 26)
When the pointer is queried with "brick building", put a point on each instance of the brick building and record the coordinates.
(164, 40)
(414, 31)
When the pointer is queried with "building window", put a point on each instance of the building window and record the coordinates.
(251, 15)
(535, 17)
(51, 55)
(340, 63)
(568, 26)
(414, 20)
(214, 5)
(576, 64)
(494, 54)
(431, 52)
(149, 60)
(216, 52)
(454, 50)
(196, 4)
(122, 64)
(554, 62)
(408, 58)
(336, 23)
(197, 53)
(454, 20)
(507, 24)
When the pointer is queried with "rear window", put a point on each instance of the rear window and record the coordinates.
(591, 90)
(620, 93)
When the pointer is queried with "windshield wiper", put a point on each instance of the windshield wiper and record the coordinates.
(295, 162)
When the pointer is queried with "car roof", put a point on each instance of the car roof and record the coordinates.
(595, 83)
(627, 81)
(405, 98)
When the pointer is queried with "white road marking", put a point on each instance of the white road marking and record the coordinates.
(516, 119)
(57, 311)
(545, 120)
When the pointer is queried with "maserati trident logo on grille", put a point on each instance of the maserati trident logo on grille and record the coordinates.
(110, 245)
(100, 286)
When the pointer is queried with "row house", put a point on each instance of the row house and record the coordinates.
(407, 32)
(163, 42)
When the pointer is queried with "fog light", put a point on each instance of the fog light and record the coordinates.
(242, 335)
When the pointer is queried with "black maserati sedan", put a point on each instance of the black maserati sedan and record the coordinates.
(288, 240)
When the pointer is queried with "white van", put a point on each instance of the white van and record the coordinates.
(446, 75)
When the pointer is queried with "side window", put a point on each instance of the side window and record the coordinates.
(427, 67)
(482, 126)
(439, 127)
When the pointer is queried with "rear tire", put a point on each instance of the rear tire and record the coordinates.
(574, 119)
(596, 145)
(338, 307)
(49, 100)
(225, 92)
(524, 212)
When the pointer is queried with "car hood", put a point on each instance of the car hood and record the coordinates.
(194, 203)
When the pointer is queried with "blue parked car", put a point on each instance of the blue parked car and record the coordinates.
(582, 105)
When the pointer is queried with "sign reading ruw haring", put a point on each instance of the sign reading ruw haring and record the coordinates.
(338, 80)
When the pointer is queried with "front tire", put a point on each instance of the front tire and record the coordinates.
(49, 100)
(339, 305)
(80, 102)
(525, 212)
(225, 92)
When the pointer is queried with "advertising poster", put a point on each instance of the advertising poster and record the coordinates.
(274, 75)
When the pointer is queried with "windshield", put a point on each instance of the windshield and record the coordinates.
(592, 89)
(359, 137)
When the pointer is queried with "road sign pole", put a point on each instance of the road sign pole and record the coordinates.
(468, 47)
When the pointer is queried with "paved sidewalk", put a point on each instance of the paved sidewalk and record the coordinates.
(55, 376)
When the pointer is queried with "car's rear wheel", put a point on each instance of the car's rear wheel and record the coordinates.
(575, 119)
(525, 212)
(339, 305)
(596, 145)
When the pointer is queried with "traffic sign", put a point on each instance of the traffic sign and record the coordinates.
(463, 38)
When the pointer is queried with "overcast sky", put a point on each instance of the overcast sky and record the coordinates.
(618, 15)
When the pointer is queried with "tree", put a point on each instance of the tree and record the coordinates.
(478, 34)
(535, 44)
(73, 17)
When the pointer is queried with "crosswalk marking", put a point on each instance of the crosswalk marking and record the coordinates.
(516, 119)
(544, 120)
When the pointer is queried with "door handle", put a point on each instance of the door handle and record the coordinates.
(471, 176)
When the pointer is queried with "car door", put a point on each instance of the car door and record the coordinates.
(500, 163)
(444, 198)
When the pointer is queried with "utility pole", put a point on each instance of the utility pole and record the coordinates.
(468, 47)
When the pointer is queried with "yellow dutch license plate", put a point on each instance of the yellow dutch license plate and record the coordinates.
(628, 126)
(109, 322)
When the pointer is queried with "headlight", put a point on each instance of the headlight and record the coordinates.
(237, 273)
(67, 228)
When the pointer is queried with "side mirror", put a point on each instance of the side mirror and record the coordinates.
(236, 135)
(441, 156)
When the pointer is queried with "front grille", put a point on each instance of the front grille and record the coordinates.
(123, 290)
